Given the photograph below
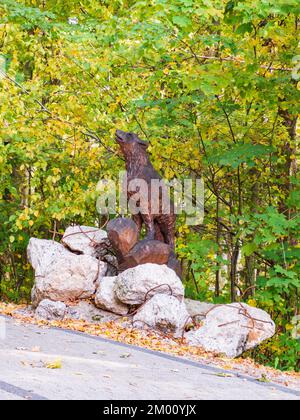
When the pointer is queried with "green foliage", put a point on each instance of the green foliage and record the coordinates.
(282, 350)
(209, 83)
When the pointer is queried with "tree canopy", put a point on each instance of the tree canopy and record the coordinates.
(213, 85)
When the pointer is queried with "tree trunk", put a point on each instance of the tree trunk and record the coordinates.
(233, 270)
(290, 149)
(219, 252)
(250, 276)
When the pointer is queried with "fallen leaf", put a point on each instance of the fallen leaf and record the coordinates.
(57, 364)
(263, 379)
(122, 331)
(224, 375)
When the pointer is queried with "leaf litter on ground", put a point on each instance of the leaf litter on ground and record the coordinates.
(121, 332)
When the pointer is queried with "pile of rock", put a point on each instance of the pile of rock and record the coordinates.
(72, 277)
(76, 279)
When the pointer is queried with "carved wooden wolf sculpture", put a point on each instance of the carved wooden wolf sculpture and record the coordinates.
(161, 225)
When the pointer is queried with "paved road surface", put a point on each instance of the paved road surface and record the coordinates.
(97, 369)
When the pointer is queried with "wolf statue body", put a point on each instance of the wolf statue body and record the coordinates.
(160, 225)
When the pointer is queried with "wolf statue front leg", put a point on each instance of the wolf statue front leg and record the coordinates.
(150, 226)
(167, 224)
(138, 220)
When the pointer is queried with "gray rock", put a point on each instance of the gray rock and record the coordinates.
(27, 311)
(133, 285)
(61, 275)
(50, 310)
(197, 309)
(106, 299)
(86, 311)
(42, 254)
(84, 239)
(164, 313)
(112, 265)
(232, 329)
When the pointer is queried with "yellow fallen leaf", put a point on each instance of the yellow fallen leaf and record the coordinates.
(225, 375)
(57, 364)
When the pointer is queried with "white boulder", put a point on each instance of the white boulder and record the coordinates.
(164, 313)
(50, 310)
(61, 275)
(42, 254)
(197, 309)
(86, 311)
(106, 298)
(84, 239)
(232, 329)
(136, 284)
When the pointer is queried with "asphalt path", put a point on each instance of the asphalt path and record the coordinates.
(92, 368)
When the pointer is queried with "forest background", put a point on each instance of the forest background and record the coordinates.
(213, 85)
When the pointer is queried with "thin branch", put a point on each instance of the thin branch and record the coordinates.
(6, 76)
(235, 60)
